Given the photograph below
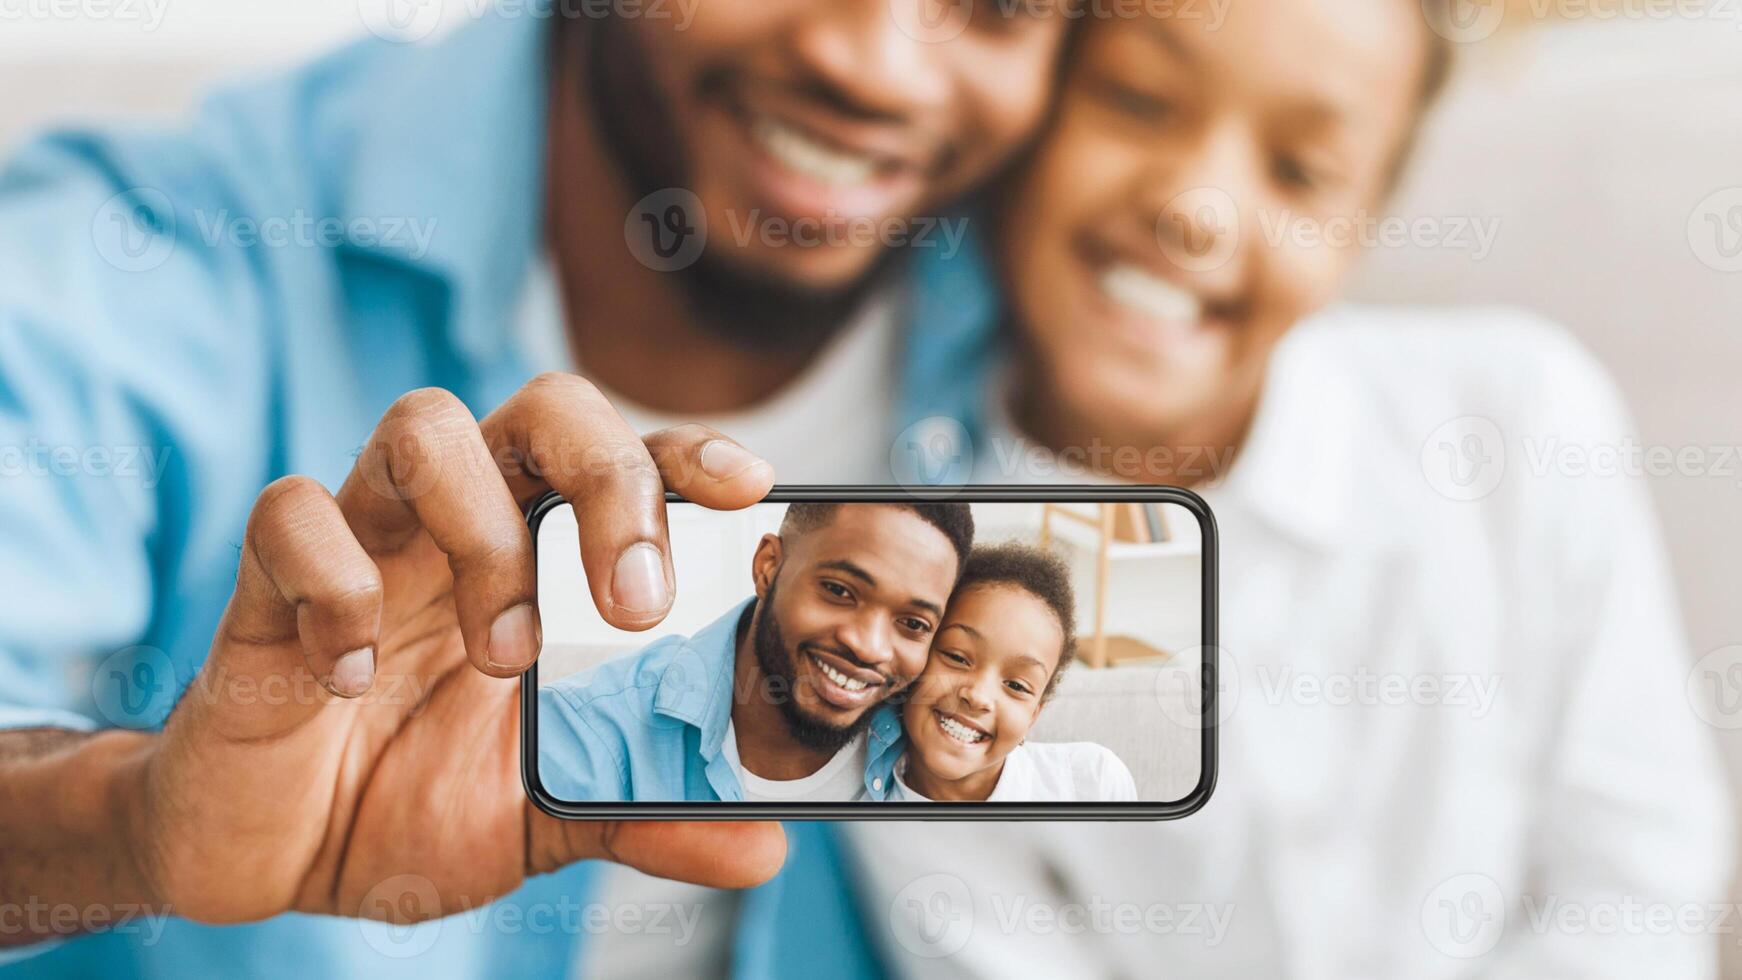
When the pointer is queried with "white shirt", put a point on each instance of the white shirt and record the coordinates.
(1545, 772)
(1047, 772)
(825, 426)
(841, 778)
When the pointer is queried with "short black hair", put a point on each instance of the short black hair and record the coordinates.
(1041, 574)
(956, 521)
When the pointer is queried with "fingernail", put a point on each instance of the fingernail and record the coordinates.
(638, 581)
(514, 638)
(354, 673)
(723, 460)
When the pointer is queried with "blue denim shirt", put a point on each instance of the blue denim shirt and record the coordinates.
(651, 726)
(155, 375)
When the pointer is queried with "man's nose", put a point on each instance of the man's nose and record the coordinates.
(859, 49)
(870, 637)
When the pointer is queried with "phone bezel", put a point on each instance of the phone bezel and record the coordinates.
(733, 810)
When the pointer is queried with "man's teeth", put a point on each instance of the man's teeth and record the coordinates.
(960, 732)
(799, 152)
(842, 680)
(1149, 295)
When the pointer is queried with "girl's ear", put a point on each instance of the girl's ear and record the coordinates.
(765, 564)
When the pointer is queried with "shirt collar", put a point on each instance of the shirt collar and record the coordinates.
(951, 341)
(885, 741)
(454, 133)
(1297, 470)
(696, 686)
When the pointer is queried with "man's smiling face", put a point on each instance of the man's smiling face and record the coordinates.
(822, 112)
(846, 615)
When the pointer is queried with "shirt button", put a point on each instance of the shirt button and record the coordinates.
(877, 784)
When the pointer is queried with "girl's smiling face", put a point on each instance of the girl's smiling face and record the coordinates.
(981, 689)
(1160, 240)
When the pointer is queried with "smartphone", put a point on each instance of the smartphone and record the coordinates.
(870, 653)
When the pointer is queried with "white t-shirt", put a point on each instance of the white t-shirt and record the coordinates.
(822, 427)
(840, 779)
(1048, 772)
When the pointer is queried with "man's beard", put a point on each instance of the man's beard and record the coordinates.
(749, 307)
(775, 659)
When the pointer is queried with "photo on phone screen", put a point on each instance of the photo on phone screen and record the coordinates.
(873, 653)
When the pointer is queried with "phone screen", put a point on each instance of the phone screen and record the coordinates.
(875, 654)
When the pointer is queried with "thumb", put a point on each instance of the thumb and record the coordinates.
(715, 854)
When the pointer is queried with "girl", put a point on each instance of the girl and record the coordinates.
(1006, 637)
(1199, 192)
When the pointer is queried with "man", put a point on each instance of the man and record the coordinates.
(773, 701)
(342, 738)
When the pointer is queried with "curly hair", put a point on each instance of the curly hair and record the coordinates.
(1041, 574)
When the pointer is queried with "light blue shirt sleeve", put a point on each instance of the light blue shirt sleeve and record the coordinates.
(107, 318)
(575, 763)
(160, 363)
(130, 359)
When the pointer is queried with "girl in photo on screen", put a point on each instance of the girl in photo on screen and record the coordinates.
(1007, 636)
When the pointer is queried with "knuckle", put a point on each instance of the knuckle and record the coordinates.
(687, 435)
(422, 421)
(419, 407)
(359, 595)
(285, 498)
(571, 432)
(629, 482)
(555, 390)
(420, 437)
(560, 380)
(508, 555)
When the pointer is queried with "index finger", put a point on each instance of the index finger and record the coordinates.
(560, 433)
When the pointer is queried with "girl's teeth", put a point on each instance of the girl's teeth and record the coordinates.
(1150, 295)
(840, 679)
(799, 152)
(961, 732)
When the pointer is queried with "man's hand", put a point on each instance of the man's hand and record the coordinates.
(396, 617)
